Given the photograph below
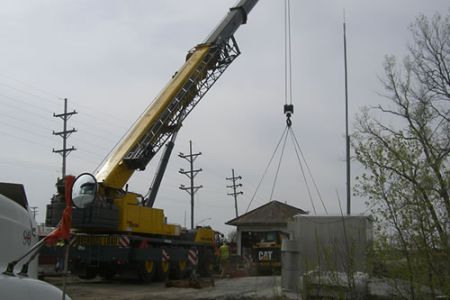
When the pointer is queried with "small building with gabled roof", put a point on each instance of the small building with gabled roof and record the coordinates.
(262, 223)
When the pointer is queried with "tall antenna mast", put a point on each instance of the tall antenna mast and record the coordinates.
(347, 137)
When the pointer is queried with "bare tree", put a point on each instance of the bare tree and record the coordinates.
(404, 147)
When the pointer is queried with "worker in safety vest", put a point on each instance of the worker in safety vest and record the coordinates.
(59, 266)
(224, 256)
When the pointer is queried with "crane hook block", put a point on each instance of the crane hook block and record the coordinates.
(288, 111)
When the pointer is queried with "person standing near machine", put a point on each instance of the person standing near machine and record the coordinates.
(224, 252)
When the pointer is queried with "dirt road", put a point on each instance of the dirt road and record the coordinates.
(236, 288)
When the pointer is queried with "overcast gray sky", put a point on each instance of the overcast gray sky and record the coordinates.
(110, 58)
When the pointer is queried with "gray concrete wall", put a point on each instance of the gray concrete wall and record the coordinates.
(332, 243)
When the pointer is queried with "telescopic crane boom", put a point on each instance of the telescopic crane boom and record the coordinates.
(160, 123)
(204, 65)
(117, 230)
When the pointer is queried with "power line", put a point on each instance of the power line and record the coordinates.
(100, 118)
(92, 143)
(24, 130)
(28, 93)
(27, 121)
(32, 86)
(97, 134)
(21, 163)
(28, 105)
(96, 117)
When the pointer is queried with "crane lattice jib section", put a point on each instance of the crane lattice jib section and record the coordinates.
(195, 87)
(118, 168)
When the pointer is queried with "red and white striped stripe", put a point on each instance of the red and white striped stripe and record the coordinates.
(193, 256)
(72, 240)
(124, 242)
(165, 255)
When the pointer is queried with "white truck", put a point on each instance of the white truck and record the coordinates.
(18, 232)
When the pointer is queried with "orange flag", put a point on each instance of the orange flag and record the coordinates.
(62, 231)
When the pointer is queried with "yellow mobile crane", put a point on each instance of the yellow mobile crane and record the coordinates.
(120, 231)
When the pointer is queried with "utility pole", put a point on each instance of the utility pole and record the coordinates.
(34, 211)
(192, 189)
(65, 135)
(234, 186)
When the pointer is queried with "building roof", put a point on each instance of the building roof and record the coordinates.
(274, 212)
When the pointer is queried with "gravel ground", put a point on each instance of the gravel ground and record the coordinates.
(243, 288)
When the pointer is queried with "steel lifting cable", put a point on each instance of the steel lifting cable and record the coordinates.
(279, 164)
(288, 107)
(267, 168)
(289, 110)
(310, 173)
(298, 150)
(287, 53)
(304, 179)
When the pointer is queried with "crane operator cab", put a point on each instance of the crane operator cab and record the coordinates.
(100, 207)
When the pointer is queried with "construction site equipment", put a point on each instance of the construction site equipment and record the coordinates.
(266, 253)
(117, 231)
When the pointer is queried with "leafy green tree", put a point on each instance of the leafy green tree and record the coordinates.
(404, 147)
